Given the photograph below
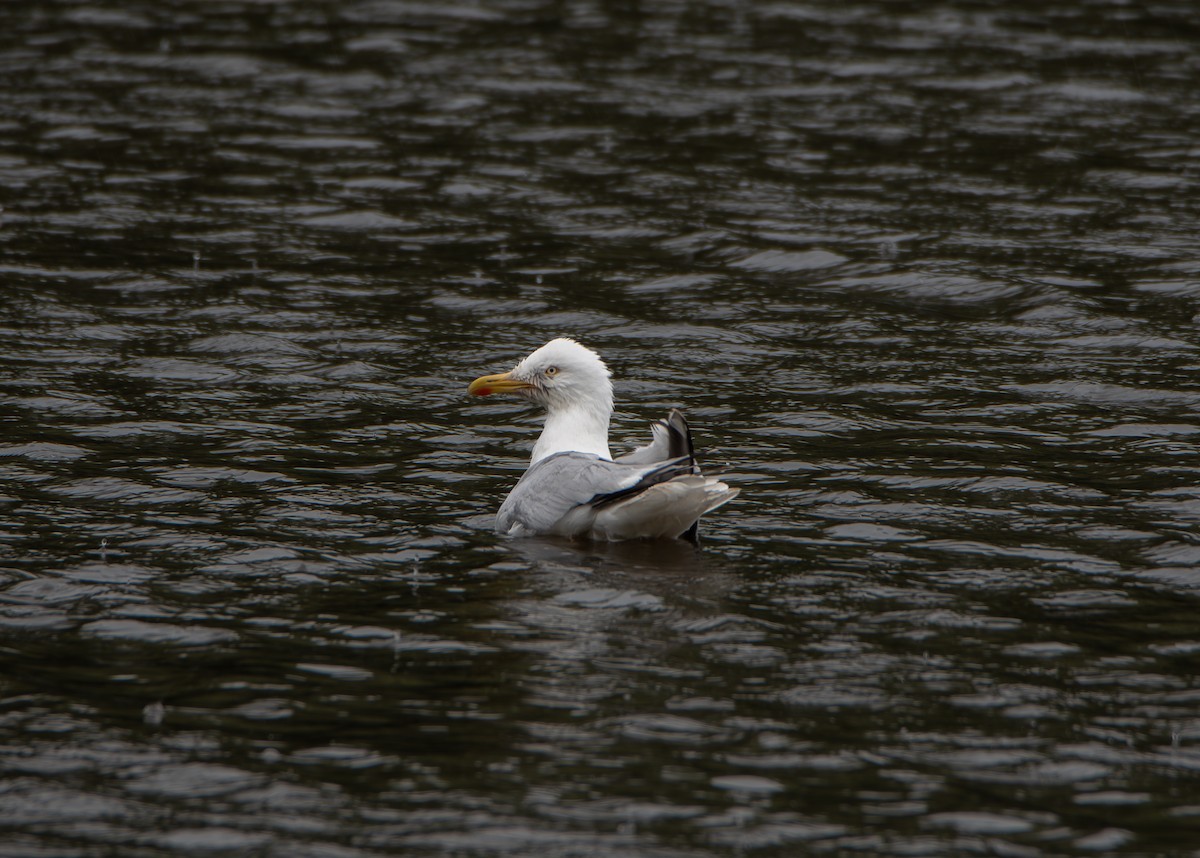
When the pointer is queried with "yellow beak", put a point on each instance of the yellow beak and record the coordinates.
(502, 383)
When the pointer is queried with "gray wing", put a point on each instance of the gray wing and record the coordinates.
(558, 484)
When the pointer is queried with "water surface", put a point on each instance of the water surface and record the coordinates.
(923, 276)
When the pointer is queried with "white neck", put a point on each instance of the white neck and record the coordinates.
(576, 428)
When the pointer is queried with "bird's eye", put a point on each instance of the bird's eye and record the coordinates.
(551, 370)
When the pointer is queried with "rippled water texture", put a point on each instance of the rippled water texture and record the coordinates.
(924, 277)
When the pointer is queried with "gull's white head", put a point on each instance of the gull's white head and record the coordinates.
(560, 375)
(573, 384)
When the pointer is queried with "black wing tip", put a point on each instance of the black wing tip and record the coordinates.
(677, 467)
(692, 534)
(679, 437)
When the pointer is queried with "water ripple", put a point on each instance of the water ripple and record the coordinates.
(921, 282)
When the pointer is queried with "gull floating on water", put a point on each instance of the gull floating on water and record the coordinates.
(573, 486)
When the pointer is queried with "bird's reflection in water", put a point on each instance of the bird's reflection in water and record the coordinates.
(672, 569)
(591, 613)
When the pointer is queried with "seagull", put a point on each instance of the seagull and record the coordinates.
(574, 487)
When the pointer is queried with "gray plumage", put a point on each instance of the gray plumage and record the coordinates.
(563, 492)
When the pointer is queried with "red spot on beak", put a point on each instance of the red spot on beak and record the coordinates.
(483, 391)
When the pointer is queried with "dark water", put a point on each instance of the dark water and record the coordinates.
(924, 276)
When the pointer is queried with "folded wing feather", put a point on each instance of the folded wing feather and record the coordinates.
(666, 509)
(671, 439)
(655, 491)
